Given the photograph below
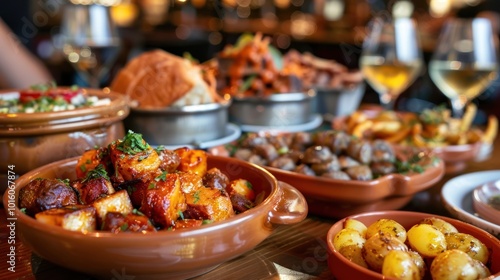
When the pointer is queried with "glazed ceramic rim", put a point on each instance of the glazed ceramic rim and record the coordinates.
(32, 224)
(406, 186)
(27, 124)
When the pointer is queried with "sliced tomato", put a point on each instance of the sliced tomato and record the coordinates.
(32, 94)
(29, 95)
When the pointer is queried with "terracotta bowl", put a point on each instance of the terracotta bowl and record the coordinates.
(342, 268)
(339, 198)
(28, 141)
(164, 254)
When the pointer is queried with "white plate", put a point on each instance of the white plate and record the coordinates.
(315, 123)
(457, 198)
(233, 132)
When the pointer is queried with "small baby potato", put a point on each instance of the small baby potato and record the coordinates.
(400, 265)
(353, 253)
(453, 264)
(442, 225)
(356, 225)
(378, 246)
(469, 244)
(427, 240)
(387, 226)
(346, 237)
(482, 269)
(419, 262)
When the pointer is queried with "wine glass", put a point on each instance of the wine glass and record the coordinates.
(391, 58)
(465, 61)
(89, 40)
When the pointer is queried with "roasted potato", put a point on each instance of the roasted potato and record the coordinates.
(399, 264)
(427, 240)
(117, 202)
(442, 225)
(469, 244)
(378, 246)
(75, 217)
(387, 227)
(454, 265)
(348, 237)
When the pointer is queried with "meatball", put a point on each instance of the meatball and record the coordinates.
(43, 194)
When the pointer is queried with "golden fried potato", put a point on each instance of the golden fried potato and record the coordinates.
(453, 264)
(378, 246)
(442, 225)
(354, 254)
(346, 237)
(387, 227)
(427, 240)
(469, 244)
(491, 130)
(356, 225)
(399, 264)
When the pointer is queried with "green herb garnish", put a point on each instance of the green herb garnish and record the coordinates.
(96, 173)
(132, 143)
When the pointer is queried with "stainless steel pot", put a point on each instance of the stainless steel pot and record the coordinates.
(188, 125)
(280, 109)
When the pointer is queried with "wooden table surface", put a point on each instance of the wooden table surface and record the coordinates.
(295, 252)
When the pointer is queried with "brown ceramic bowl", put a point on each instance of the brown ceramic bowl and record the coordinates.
(30, 140)
(339, 198)
(342, 268)
(165, 254)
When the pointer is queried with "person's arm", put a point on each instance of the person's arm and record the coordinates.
(19, 68)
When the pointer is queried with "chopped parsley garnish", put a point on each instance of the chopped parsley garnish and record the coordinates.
(196, 197)
(162, 177)
(96, 173)
(137, 212)
(249, 185)
(132, 143)
(181, 215)
(124, 227)
(206, 222)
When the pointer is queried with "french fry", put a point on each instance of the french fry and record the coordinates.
(387, 127)
(355, 118)
(399, 135)
(468, 117)
(491, 130)
(417, 138)
(360, 129)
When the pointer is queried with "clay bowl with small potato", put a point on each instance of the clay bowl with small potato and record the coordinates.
(163, 254)
(342, 268)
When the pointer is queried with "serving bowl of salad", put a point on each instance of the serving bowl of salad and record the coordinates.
(47, 123)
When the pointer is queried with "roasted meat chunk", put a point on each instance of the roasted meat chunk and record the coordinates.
(241, 194)
(208, 204)
(215, 179)
(317, 154)
(169, 160)
(91, 159)
(94, 185)
(164, 200)
(131, 222)
(360, 172)
(42, 194)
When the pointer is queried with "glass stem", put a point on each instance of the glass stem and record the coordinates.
(457, 107)
(387, 101)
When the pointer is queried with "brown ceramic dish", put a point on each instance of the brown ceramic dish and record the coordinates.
(343, 269)
(165, 254)
(340, 198)
(30, 140)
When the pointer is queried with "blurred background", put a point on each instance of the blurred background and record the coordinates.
(331, 29)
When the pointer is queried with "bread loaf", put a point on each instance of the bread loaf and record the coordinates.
(158, 79)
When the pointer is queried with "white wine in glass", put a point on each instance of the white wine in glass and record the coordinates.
(465, 62)
(391, 58)
(89, 40)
